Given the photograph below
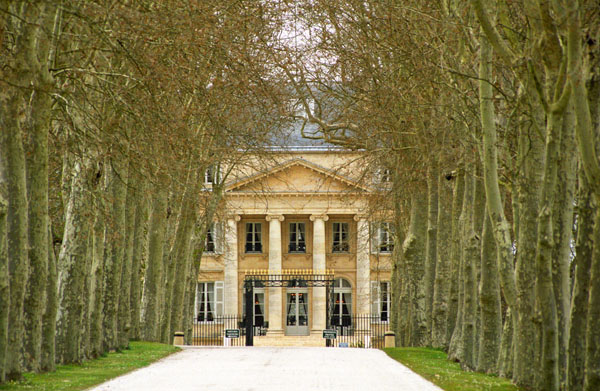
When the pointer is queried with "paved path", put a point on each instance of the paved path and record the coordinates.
(272, 369)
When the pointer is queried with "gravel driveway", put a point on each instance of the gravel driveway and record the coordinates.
(276, 369)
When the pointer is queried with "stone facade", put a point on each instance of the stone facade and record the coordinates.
(304, 210)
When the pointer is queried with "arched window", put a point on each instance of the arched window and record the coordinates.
(342, 303)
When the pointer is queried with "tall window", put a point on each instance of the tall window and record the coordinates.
(214, 239)
(382, 238)
(209, 301)
(253, 238)
(259, 306)
(380, 300)
(340, 238)
(342, 307)
(209, 244)
(297, 238)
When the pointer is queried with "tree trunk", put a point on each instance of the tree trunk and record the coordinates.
(152, 298)
(545, 298)
(131, 203)
(139, 241)
(72, 270)
(490, 175)
(592, 354)
(472, 256)
(113, 264)
(562, 223)
(489, 299)
(97, 315)
(413, 253)
(586, 208)
(4, 278)
(48, 362)
(442, 272)
(455, 253)
(431, 244)
(88, 294)
(38, 125)
(506, 356)
(530, 163)
(180, 253)
(11, 147)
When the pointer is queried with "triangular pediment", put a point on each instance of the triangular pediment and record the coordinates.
(296, 176)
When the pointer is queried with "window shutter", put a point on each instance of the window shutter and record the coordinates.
(218, 237)
(196, 303)
(375, 298)
(219, 299)
(374, 238)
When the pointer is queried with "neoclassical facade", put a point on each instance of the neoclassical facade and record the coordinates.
(305, 210)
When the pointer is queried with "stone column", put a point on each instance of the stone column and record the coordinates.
(231, 266)
(319, 300)
(275, 294)
(363, 265)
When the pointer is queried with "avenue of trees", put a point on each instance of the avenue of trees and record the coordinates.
(486, 115)
(110, 114)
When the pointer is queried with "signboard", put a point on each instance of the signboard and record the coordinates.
(232, 333)
(330, 334)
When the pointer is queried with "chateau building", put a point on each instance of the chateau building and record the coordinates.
(304, 211)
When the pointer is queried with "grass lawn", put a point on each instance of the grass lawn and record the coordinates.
(433, 366)
(93, 372)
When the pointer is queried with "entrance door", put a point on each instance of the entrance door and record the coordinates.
(297, 312)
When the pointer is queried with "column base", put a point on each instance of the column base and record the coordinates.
(316, 333)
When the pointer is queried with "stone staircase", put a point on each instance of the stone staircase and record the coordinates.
(288, 341)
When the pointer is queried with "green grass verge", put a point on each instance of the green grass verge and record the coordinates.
(90, 373)
(434, 366)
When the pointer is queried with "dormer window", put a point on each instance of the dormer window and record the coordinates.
(383, 175)
(209, 175)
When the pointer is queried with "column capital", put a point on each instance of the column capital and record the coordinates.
(360, 216)
(275, 217)
(323, 217)
(235, 217)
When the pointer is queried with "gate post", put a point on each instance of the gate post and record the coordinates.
(249, 321)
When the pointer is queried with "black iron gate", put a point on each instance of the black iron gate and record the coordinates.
(284, 279)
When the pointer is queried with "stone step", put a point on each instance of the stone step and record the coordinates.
(282, 341)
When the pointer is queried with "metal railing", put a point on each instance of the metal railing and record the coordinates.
(212, 333)
(359, 331)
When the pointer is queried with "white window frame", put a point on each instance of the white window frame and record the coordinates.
(377, 300)
(215, 232)
(296, 230)
(378, 232)
(211, 174)
(383, 175)
(253, 241)
(218, 290)
(342, 286)
(344, 246)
